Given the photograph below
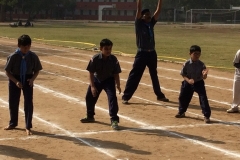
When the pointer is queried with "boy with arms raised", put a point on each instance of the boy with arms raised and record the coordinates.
(146, 53)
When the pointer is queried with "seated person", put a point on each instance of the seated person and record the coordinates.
(19, 23)
(28, 23)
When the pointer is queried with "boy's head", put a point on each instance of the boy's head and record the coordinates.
(146, 15)
(195, 52)
(24, 43)
(106, 47)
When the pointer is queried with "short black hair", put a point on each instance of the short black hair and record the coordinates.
(195, 48)
(24, 40)
(105, 42)
(144, 11)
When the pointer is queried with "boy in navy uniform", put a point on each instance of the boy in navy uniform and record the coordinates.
(193, 72)
(104, 72)
(146, 54)
(22, 69)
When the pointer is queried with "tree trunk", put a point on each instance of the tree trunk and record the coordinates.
(1, 14)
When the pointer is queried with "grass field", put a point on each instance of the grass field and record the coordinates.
(219, 44)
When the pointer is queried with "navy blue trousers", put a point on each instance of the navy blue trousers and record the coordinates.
(142, 60)
(109, 87)
(186, 94)
(14, 99)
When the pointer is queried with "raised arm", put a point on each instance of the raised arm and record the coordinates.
(139, 8)
(158, 10)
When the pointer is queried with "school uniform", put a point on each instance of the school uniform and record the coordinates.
(146, 56)
(236, 82)
(104, 71)
(193, 70)
(22, 67)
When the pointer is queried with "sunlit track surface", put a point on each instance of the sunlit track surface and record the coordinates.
(149, 129)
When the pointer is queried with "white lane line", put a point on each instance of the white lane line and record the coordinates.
(102, 132)
(201, 143)
(66, 132)
(160, 68)
(169, 90)
(112, 131)
(76, 100)
(143, 99)
(64, 66)
(73, 68)
(105, 132)
(76, 80)
(20, 138)
(33, 137)
(74, 59)
(146, 100)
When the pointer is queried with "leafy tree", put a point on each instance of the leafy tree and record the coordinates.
(70, 5)
(7, 5)
(150, 4)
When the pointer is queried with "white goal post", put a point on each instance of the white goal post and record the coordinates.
(213, 16)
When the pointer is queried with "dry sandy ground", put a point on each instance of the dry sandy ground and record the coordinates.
(149, 130)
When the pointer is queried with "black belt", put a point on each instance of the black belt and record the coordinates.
(145, 50)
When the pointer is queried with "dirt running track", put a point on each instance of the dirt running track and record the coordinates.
(149, 130)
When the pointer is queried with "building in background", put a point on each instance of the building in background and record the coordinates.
(122, 10)
(112, 10)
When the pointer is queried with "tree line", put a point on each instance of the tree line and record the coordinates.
(192, 4)
(33, 7)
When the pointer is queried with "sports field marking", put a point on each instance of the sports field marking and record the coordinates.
(76, 100)
(103, 132)
(210, 147)
(146, 100)
(66, 132)
(100, 132)
(175, 79)
(160, 68)
(20, 138)
(65, 66)
(169, 90)
(216, 101)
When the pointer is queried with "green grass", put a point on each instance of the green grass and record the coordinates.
(219, 45)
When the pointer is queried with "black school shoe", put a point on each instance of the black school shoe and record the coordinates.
(87, 120)
(206, 120)
(114, 125)
(164, 99)
(179, 115)
(125, 102)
